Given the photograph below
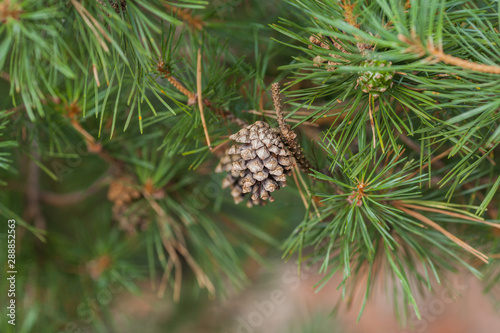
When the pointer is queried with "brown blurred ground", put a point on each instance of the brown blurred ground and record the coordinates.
(464, 310)
(280, 302)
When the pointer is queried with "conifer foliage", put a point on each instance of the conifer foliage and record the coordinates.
(122, 123)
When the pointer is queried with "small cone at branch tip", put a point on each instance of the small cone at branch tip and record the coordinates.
(257, 164)
(376, 81)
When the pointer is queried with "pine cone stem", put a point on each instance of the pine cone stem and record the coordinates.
(287, 134)
(278, 106)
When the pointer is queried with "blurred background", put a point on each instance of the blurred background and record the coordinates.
(94, 273)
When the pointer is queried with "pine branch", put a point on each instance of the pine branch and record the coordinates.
(162, 69)
(73, 198)
(185, 15)
(437, 54)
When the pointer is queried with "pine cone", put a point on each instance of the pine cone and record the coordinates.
(376, 81)
(257, 165)
(122, 192)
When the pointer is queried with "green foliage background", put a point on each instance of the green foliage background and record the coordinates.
(88, 103)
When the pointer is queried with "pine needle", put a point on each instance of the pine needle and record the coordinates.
(452, 237)
(86, 16)
(200, 99)
(96, 75)
(457, 215)
(371, 120)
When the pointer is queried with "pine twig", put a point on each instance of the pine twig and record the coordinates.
(173, 247)
(436, 160)
(173, 81)
(163, 70)
(94, 147)
(349, 13)
(438, 54)
(287, 133)
(410, 143)
(185, 15)
(66, 199)
(198, 97)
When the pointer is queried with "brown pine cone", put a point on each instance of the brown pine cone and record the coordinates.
(257, 164)
(122, 192)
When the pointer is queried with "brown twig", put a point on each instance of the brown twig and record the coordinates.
(174, 246)
(193, 98)
(173, 81)
(492, 211)
(94, 147)
(162, 68)
(410, 143)
(221, 145)
(278, 107)
(438, 54)
(33, 211)
(66, 199)
(186, 16)
(434, 160)
(287, 133)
